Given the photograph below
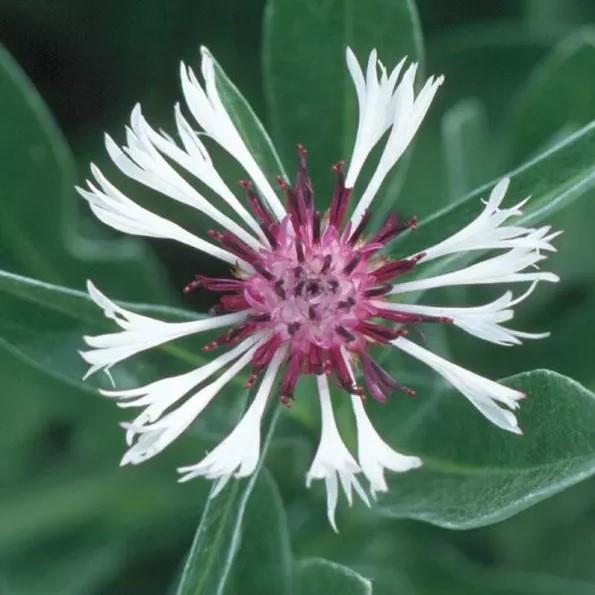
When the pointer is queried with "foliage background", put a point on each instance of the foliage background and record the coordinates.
(520, 77)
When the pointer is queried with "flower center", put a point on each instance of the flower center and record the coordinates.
(316, 288)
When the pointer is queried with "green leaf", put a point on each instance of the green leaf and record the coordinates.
(39, 227)
(45, 323)
(465, 139)
(250, 127)
(554, 180)
(554, 99)
(475, 474)
(264, 562)
(217, 539)
(315, 576)
(307, 85)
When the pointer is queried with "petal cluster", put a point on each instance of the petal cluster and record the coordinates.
(309, 292)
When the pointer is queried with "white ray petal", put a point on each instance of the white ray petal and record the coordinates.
(333, 462)
(484, 322)
(508, 267)
(408, 113)
(209, 111)
(140, 332)
(115, 209)
(483, 393)
(237, 455)
(374, 455)
(375, 104)
(141, 161)
(487, 232)
(158, 396)
(150, 438)
(195, 159)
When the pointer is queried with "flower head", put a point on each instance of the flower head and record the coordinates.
(310, 292)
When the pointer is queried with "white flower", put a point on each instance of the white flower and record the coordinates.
(290, 306)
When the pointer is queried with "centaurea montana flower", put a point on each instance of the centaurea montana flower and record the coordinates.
(310, 292)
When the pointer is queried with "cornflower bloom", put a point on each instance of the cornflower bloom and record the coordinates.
(309, 292)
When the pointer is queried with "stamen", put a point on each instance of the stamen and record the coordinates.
(299, 250)
(259, 268)
(349, 268)
(328, 259)
(293, 327)
(262, 213)
(377, 291)
(344, 333)
(278, 287)
(360, 228)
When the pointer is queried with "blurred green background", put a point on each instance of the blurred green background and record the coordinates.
(520, 76)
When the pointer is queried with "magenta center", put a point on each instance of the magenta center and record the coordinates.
(317, 289)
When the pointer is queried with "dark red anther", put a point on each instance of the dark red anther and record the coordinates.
(388, 231)
(377, 291)
(214, 284)
(316, 227)
(333, 284)
(263, 215)
(341, 370)
(260, 269)
(338, 206)
(270, 236)
(409, 318)
(379, 382)
(379, 333)
(346, 304)
(341, 330)
(291, 377)
(234, 303)
(313, 363)
(357, 232)
(299, 250)
(251, 380)
(393, 268)
(293, 328)
(265, 317)
(234, 245)
(350, 266)
(297, 290)
(264, 354)
(326, 265)
(278, 288)
(312, 314)
(193, 285)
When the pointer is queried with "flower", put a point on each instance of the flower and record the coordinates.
(310, 292)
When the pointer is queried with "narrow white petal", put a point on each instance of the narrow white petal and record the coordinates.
(486, 231)
(158, 396)
(374, 455)
(484, 322)
(376, 108)
(209, 111)
(483, 393)
(333, 460)
(140, 332)
(115, 209)
(237, 455)
(408, 113)
(142, 161)
(503, 268)
(150, 438)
